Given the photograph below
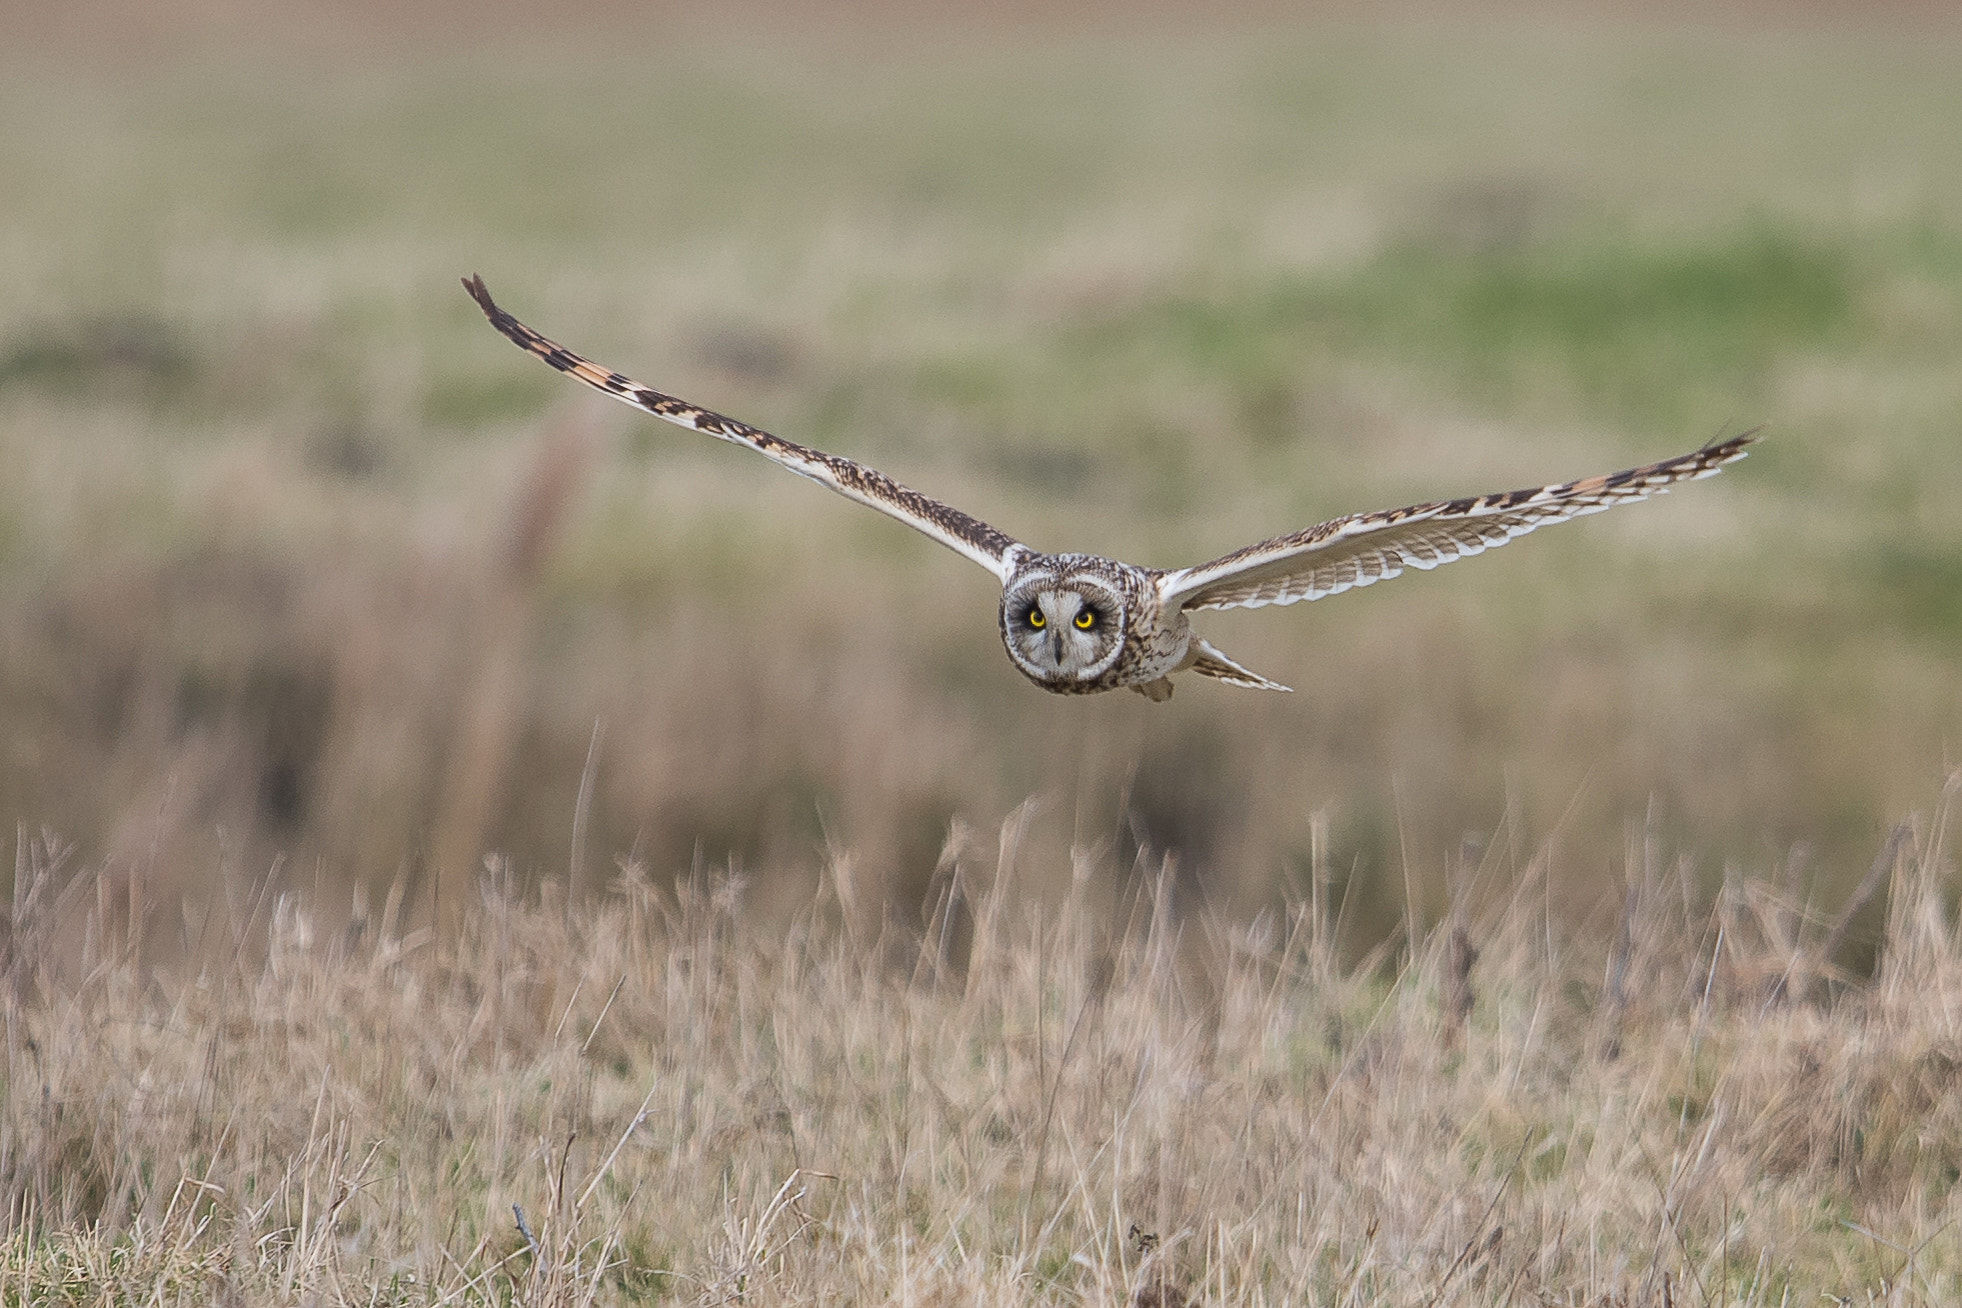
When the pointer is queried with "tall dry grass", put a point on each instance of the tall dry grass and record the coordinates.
(1095, 1099)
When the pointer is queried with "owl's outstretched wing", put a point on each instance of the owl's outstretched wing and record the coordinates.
(1368, 547)
(992, 549)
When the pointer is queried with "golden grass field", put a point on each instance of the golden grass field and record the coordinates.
(1084, 1098)
(416, 761)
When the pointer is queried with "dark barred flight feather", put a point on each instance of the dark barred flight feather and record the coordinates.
(969, 536)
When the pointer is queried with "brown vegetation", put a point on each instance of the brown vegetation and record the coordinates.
(670, 1097)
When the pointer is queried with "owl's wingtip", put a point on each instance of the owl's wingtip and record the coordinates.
(1735, 447)
(481, 294)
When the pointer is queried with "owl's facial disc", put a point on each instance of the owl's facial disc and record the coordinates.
(1062, 632)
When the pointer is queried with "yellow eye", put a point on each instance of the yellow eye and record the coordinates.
(1036, 620)
(1086, 619)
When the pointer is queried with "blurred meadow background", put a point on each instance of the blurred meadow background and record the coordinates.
(315, 592)
(297, 556)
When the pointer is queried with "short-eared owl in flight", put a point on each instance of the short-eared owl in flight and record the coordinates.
(1079, 623)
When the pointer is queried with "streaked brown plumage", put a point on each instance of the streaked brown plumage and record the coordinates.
(1081, 623)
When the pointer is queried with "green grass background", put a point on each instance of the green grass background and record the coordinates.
(1150, 286)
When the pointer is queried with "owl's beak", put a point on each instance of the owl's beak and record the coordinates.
(1056, 645)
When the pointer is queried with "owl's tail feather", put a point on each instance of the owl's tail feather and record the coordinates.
(1212, 663)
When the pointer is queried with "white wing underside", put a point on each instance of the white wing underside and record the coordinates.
(1366, 548)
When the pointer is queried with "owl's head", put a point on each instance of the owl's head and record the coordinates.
(1062, 626)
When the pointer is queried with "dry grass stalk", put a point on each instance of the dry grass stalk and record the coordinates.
(491, 709)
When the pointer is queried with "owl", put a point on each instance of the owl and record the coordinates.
(1077, 624)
